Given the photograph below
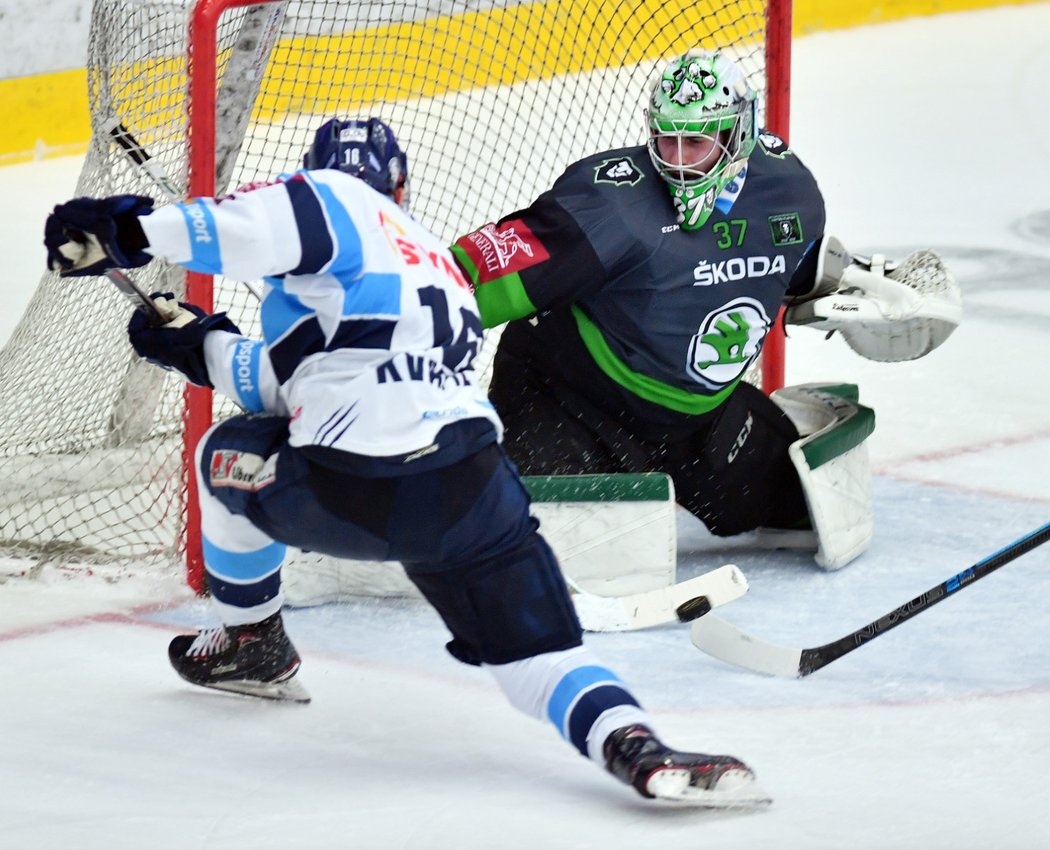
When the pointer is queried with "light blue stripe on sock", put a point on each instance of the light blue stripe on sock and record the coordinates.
(572, 684)
(243, 566)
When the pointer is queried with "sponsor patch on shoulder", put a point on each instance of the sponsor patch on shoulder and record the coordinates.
(501, 249)
(620, 172)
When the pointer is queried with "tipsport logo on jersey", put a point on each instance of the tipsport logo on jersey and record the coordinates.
(727, 342)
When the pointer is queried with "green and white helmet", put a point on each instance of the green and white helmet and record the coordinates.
(701, 104)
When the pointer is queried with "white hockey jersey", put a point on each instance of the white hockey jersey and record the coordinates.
(369, 328)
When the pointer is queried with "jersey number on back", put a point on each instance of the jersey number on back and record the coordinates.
(459, 349)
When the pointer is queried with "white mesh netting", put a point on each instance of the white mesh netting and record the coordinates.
(490, 101)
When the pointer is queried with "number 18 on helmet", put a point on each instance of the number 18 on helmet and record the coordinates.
(367, 150)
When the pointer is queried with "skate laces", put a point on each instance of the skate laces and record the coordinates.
(209, 642)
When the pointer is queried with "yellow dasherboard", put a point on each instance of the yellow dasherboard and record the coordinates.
(47, 114)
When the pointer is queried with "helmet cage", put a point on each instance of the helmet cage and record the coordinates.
(731, 129)
(700, 96)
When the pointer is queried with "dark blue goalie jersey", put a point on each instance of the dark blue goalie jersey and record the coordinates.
(633, 313)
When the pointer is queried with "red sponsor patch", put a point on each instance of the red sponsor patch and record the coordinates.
(242, 470)
(498, 250)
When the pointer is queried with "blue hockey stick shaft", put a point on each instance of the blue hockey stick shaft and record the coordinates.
(814, 659)
(726, 642)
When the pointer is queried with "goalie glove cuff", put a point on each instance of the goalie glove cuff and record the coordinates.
(178, 345)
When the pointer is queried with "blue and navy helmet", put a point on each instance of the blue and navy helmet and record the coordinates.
(363, 149)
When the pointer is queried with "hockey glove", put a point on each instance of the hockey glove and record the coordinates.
(885, 311)
(90, 236)
(179, 344)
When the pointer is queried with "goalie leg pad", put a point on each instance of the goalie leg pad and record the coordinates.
(614, 534)
(831, 459)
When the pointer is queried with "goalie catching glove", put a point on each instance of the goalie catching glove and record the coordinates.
(179, 343)
(90, 236)
(885, 311)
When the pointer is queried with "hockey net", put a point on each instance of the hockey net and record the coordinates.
(490, 100)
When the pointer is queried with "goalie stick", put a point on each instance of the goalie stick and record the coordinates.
(726, 642)
(683, 602)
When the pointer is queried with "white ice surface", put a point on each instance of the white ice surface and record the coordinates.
(930, 132)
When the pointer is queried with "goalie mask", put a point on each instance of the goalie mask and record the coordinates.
(702, 128)
(364, 149)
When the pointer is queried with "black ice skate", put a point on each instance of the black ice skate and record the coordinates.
(257, 660)
(636, 756)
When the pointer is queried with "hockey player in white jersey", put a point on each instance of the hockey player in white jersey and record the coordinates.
(368, 437)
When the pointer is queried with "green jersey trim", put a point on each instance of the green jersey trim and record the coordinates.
(607, 487)
(641, 385)
(499, 301)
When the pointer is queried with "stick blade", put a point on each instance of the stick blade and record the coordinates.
(658, 607)
(727, 643)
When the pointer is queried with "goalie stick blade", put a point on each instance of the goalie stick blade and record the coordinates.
(657, 607)
(724, 641)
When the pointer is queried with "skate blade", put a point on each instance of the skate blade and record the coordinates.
(289, 690)
(735, 790)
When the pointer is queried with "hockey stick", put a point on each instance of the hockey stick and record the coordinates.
(241, 79)
(725, 641)
(134, 293)
(138, 155)
(681, 602)
(156, 173)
